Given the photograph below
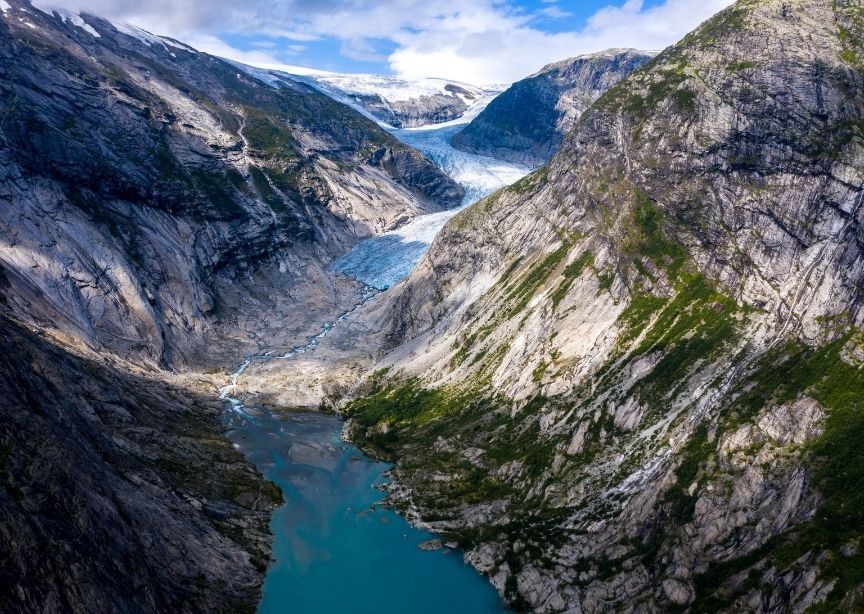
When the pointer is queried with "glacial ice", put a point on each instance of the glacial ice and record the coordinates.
(383, 261)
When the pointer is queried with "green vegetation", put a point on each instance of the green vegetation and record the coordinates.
(695, 325)
(666, 76)
(691, 327)
(524, 444)
(850, 25)
(417, 418)
(269, 135)
(638, 314)
(531, 181)
(695, 452)
(685, 99)
(517, 293)
(405, 414)
(739, 65)
(220, 190)
(729, 21)
(520, 294)
(571, 273)
(540, 371)
(473, 215)
(830, 141)
(651, 240)
(382, 415)
(642, 94)
(268, 195)
(836, 461)
(267, 182)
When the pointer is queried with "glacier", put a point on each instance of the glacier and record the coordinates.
(383, 261)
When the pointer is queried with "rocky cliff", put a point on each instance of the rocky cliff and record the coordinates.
(118, 492)
(633, 380)
(527, 122)
(160, 212)
(146, 184)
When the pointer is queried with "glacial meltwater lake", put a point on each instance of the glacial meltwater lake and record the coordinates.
(334, 552)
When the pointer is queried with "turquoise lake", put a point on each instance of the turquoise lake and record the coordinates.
(335, 552)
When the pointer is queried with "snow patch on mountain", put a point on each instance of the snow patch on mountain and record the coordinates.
(390, 100)
(66, 16)
(150, 39)
(135, 32)
(391, 87)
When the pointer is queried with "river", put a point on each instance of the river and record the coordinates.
(335, 550)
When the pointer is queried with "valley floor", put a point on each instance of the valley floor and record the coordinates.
(331, 524)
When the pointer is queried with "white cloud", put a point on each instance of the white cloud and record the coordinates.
(555, 12)
(216, 46)
(479, 41)
(503, 54)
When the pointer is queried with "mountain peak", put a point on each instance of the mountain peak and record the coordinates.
(527, 122)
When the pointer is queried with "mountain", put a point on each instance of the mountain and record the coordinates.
(153, 181)
(119, 492)
(528, 121)
(633, 380)
(395, 101)
(162, 214)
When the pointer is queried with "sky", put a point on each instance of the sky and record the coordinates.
(475, 41)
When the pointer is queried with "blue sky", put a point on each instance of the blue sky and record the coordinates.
(477, 41)
(329, 53)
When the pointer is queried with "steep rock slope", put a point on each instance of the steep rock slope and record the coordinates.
(527, 122)
(633, 380)
(146, 184)
(118, 492)
(159, 212)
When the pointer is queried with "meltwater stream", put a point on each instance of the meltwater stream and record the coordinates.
(335, 550)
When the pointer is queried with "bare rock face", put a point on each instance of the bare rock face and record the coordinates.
(661, 327)
(139, 174)
(420, 111)
(118, 492)
(160, 212)
(527, 122)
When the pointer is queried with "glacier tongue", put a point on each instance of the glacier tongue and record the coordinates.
(383, 261)
(480, 175)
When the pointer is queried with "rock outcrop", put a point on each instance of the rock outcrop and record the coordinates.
(633, 380)
(118, 492)
(527, 122)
